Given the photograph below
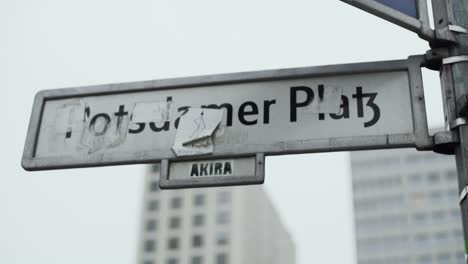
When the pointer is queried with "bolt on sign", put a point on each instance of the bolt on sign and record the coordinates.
(216, 129)
(410, 14)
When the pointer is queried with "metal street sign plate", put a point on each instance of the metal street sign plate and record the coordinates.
(407, 7)
(410, 14)
(212, 172)
(303, 110)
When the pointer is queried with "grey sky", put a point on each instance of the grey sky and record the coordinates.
(92, 215)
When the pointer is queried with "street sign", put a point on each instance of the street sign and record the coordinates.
(212, 172)
(410, 14)
(408, 7)
(304, 110)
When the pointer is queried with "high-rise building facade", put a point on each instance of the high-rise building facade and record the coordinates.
(229, 225)
(406, 208)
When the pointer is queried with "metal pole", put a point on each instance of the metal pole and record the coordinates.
(451, 17)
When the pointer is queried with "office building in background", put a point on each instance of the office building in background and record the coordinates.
(406, 208)
(229, 225)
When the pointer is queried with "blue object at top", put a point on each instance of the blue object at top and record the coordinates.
(408, 7)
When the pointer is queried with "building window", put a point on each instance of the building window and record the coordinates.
(153, 205)
(417, 196)
(150, 245)
(222, 238)
(197, 241)
(173, 243)
(199, 200)
(460, 257)
(458, 235)
(172, 261)
(222, 218)
(224, 197)
(452, 194)
(444, 258)
(174, 222)
(441, 237)
(398, 241)
(420, 218)
(425, 259)
(151, 225)
(198, 220)
(455, 213)
(388, 201)
(176, 202)
(451, 175)
(154, 186)
(438, 216)
(221, 258)
(393, 220)
(415, 178)
(196, 260)
(433, 177)
(422, 239)
(436, 196)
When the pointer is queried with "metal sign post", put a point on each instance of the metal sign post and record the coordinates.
(452, 17)
(410, 14)
(302, 110)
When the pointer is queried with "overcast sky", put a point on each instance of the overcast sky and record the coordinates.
(92, 215)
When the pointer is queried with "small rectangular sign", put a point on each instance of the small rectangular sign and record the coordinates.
(212, 172)
(303, 110)
(410, 14)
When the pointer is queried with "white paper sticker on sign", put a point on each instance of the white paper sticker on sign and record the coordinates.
(69, 116)
(331, 100)
(324, 100)
(157, 112)
(103, 131)
(195, 131)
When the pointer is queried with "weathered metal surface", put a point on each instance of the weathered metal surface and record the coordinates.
(445, 142)
(302, 110)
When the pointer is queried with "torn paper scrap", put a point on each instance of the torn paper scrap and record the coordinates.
(195, 131)
(103, 131)
(157, 112)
